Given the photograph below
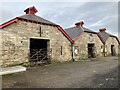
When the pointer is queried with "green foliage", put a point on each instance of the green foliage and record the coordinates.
(84, 57)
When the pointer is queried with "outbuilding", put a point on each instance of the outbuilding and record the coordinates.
(87, 43)
(111, 44)
(30, 38)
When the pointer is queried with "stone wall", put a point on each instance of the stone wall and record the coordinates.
(112, 41)
(82, 44)
(0, 47)
(16, 42)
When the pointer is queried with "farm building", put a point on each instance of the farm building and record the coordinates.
(30, 38)
(87, 43)
(111, 45)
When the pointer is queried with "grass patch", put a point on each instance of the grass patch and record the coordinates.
(83, 57)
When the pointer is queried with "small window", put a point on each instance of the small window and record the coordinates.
(40, 31)
(76, 50)
(61, 50)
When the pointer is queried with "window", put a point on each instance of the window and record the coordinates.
(91, 39)
(61, 50)
(76, 50)
(40, 31)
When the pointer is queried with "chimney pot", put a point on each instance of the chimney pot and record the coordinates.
(78, 24)
(31, 10)
(102, 29)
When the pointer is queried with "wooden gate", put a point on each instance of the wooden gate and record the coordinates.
(39, 55)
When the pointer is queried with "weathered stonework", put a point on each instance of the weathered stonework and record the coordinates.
(112, 41)
(82, 43)
(16, 42)
(0, 47)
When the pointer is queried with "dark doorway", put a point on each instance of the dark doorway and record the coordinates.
(38, 50)
(91, 53)
(112, 50)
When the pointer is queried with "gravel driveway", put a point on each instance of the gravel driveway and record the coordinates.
(98, 73)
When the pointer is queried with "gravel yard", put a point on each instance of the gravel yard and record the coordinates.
(97, 73)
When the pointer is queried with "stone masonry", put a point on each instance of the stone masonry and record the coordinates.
(16, 40)
(112, 41)
(82, 43)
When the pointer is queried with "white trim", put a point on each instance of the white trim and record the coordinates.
(40, 38)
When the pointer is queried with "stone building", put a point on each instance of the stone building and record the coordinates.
(111, 44)
(87, 43)
(30, 38)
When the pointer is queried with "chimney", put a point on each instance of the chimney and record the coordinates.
(31, 10)
(102, 29)
(79, 24)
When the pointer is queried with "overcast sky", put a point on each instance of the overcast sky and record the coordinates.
(94, 14)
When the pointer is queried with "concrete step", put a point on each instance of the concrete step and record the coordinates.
(10, 70)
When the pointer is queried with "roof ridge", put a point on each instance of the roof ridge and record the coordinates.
(69, 28)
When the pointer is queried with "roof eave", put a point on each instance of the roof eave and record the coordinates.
(116, 38)
(36, 21)
(101, 38)
(91, 32)
(18, 18)
(8, 22)
(63, 31)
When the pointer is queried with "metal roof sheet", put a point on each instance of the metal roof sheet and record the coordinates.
(36, 18)
(74, 32)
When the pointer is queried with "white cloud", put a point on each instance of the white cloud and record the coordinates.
(94, 14)
(59, 1)
(104, 20)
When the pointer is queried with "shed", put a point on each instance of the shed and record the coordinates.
(31, 38)
(111, 45)
(87, 43)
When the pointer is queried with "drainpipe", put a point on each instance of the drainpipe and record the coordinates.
(104, 50)
(72, 52)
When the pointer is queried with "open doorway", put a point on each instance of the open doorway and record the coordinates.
(112, 50)
(91, 53)
(39, 50)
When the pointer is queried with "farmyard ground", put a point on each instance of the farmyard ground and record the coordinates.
(98, 73)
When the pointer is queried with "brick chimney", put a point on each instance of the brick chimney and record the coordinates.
(31, 10)
(102, 29)
(79, 24)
